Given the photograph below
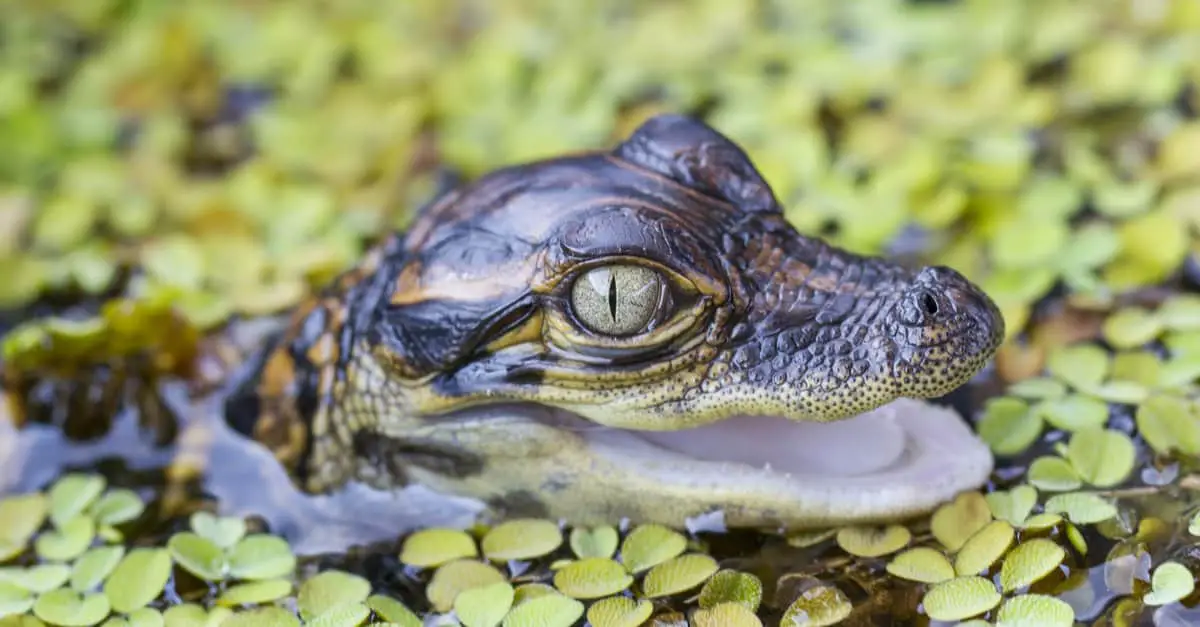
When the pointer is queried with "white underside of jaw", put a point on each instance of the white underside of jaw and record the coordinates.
(906, 456)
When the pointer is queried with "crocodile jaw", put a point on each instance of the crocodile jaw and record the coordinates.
(900, 460)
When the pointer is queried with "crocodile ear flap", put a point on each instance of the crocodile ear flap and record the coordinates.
(696, 155)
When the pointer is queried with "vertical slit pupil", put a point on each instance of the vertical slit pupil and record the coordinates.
(612, 296)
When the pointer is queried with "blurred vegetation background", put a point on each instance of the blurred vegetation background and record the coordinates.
(228, 154)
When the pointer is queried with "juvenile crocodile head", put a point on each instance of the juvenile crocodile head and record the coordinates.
(633, 333)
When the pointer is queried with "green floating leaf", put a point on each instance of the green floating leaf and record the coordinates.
(430, 548)
(595, 542)
(1081, 508)
(223, 532)
(186, 615)
(1013, 505)
(14, 599)
(20, 518)
(650, 545)
(72, 494)
(1120, 200)
(961, 598)
(1081, 366)
(449, 580)
(484, 606)
(262, 617)
(731, 586)
(921, 564)
(819, 606)
(551, 610)
(1125, 392)
(1076, 539)
(1074, 412)
(865, 541)
(1180, 312)
(1009, 425)
(953, 523)
(393, 611)
(1140, 366)
(678, 574)
(619, 612)
(138, 579)
(529, 591)
(261, 556)
(1168, 424)
(1102, 457)
(1029, 562)
(1038, 388)
(198, 555)
(1194, 524)
(592, 578)
(344, 615)
(1178, 372)
(69, 608)
(521, 539)
(1041, 522)
(1171, 582)
(43, 577)
(1035, 609)
(67, 542)
(984, 548)
(144, 617)
(117, 506)
(329, 589)
(93, 567)
(255, 592)
(1053, 474)
(1132, 327)
(726, 615)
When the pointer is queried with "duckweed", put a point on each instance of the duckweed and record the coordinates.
(1037, 609)
(731, 586)
(521, 540)
(452, 578)
(818, 606)
(484, 606)
(984, 548)
(726, 615)
(1028, 562)
(594, 542)
(961, 598)
(1081, 507)
(678, 574)
(1053, 474)
(1102, 457)
(1170, 582)
(873, 542)
(921, 564)
(433, 547)
(329, 590)
(619, 611)
(649, 545)
(592, 578)
(551, 610)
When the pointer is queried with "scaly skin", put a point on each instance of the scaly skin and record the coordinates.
(437, 359)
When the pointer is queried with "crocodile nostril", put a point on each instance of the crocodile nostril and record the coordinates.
(929, 304)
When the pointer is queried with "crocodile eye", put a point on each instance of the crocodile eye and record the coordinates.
(617, 300)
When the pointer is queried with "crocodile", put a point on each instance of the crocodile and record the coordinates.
(630, 333)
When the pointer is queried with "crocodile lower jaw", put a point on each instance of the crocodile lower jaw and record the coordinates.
(902, 459)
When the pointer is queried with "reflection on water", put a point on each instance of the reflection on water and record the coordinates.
(241, 476)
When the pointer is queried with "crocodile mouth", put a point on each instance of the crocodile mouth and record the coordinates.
(903, 458)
